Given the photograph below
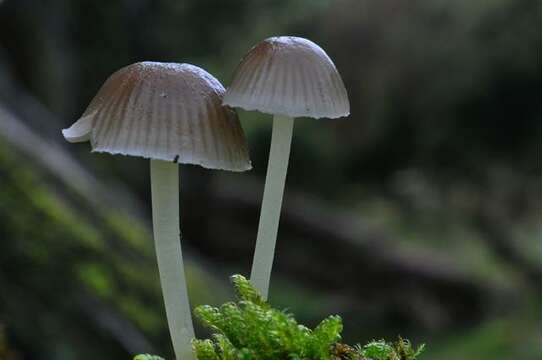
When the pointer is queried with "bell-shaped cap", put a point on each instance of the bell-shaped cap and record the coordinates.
(288, 76)
(164, 111)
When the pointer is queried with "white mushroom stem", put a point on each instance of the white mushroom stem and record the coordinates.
(165, 218)
(272, 202)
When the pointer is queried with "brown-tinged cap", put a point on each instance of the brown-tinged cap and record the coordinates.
(164, 111)
(288, 76)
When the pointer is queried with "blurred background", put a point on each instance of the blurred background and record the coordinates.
(419, 215)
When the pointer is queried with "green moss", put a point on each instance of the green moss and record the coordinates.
(382, 350)
(147, 357)
(65, 249)
(250, 329)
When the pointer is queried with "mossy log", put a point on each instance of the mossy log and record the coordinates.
(78, 279)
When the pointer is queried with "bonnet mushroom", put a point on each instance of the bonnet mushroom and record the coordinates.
(286, 77)
(169, 113)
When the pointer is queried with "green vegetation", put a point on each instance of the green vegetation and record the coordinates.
(381, 350)
(71, 265)
(250, 329)
(147, 357)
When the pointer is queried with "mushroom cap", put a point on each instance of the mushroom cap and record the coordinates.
(288, 76)
(164, 111)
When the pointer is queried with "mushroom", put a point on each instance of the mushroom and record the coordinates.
(169, 113)
(287, 77)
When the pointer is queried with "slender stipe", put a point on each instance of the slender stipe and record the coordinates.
(166, 228)
(277, 167)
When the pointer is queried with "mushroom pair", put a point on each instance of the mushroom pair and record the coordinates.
(173, 113)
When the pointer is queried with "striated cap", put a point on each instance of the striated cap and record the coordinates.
(164, 111)
(288, 76)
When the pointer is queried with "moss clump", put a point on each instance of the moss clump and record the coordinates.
(382, 350)
(147, 357)
(250, 329)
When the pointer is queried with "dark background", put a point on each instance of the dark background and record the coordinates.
(419, 215)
